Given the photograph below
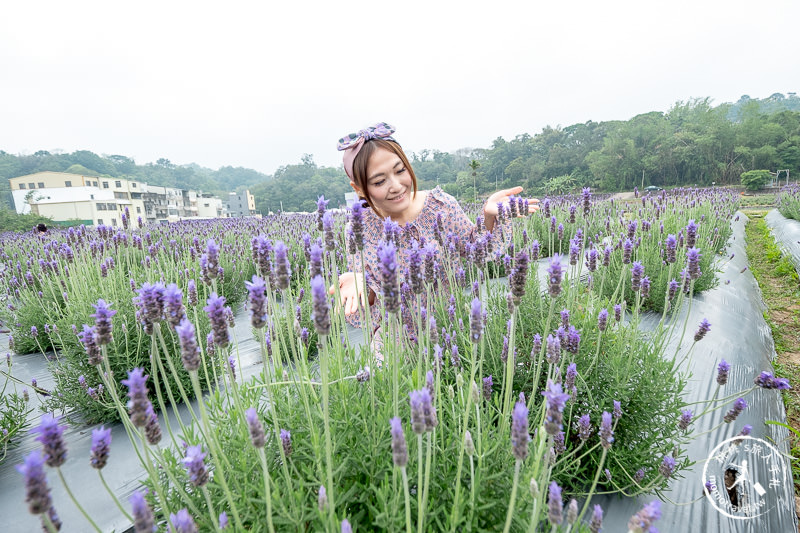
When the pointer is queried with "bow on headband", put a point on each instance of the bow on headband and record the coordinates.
(351, 144)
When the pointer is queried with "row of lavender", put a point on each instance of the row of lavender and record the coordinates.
(788, 201)
(343, 444)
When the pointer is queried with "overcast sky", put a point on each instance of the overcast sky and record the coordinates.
(259, 84)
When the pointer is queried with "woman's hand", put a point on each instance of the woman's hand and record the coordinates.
(350, 287)
(490, 210)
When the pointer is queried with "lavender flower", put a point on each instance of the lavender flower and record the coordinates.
(257, 297)
(415, 268)
(766, 380)
(190, 351)
(363, 375)
(639, 475)
(671, 245)
(537, 346)
(257, 435)
(645, 292)
(399, 449)
(191, 291)
(216, 315)
(138, 404)
(746, 430)
(357, 223)
(346, 527)
(389, 284)
(321, 306)
(182, 522)
(51, 437)
(555, 507)
(704, 328)
(667, 467)
(569, 381)
(37, 492)
(101, 446)
(693, 263)
(150, 304)
(102, 322)
(685, 419)
(602, 319)
(553, 349)
(322, 204)
(519, 431)
(555, 399)
(596, 523)
(423, 413)
(143, 520)
(573, 340)
(584, 427)
(627, 251)
(212, 259)
(152, 431)
(87, 338)
(617, 312)
(672, 289)
(518, 277)
(554, 274)
(606, 432)
(487, 387)
(691, 234)
(565, 318)
(223, 520)
(173, 305)
(322, 499)
(572, 511)
(193, 462)
(591, 259)
(327, 228)
(738, 406)
(642, 522)
(283, 270)
(286, 442)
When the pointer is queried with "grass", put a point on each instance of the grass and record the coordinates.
(780, 288)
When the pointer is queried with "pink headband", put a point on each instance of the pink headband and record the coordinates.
(352, 144)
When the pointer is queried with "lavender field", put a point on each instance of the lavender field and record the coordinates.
(525, 381)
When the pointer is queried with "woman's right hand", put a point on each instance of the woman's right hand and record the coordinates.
(350, 288)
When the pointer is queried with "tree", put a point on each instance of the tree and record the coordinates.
(474, 164)
(754, 180)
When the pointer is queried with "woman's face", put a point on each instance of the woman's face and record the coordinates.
(389, 184)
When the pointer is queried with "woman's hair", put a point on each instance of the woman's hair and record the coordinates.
(361, 162)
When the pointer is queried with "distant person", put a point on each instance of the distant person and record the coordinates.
(41, 228)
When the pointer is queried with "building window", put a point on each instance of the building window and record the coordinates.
(138, 209)
(95, 183)
(113, 221)
(99, 221)
(118, 184)
(21, 185)
(205, 205)
(133, 184)
(101, 207)
(105, 185)
(67, 184)
(31, 186)
(41, 185)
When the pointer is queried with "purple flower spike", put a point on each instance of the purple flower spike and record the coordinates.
(138, 405)
(584, 427)
(423, 414)
(555, 507)
(519, 276)
(637, 270)
(257, 435)
(346, 527)
(642, 522)
(257, 297)
(173, 305)
(198, 473)
(286, 442)
(705, 327)
(476, 321)
(671, 245)
(553, 349)
(556, 400)
(51, 437)
(746, 430)
(617, 312)
(693, 263)
(102, 322)
(389, 285)
(182, 522)
(602, 319)
(738, 406)
(519, 431)
(223, 520)
(487, 388)
(283, 270)
(766, 380)
(87, 338)
(722, 372)
(150, 305)
(321, 306)
(143, 520)
(37, 492)
(554, 273)
(190, 351)
(216, 315)
(101, 446)
(606, 433)
(685, 419)
(596, 524)
(399, 449)
(357, 223)
(667, 466)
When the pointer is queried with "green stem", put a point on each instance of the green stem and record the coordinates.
(75, 501)
(268, 493)
(114, 496)
(513, 497)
